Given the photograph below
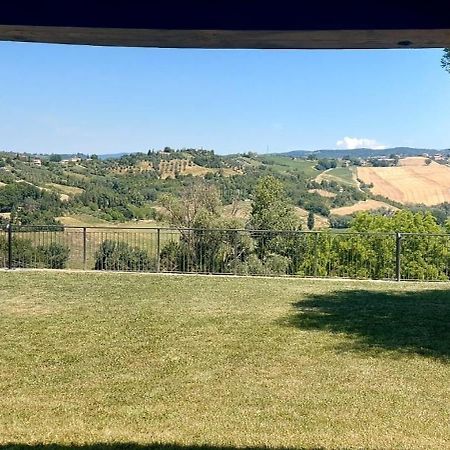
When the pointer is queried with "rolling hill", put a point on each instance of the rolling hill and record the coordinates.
(362, 152)
(410, 183)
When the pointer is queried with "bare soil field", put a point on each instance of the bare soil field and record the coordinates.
(367, 205)
(410, 183)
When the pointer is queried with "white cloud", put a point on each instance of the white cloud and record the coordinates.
(350, 143)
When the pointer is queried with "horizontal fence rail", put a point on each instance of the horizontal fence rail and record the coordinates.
(388, 256)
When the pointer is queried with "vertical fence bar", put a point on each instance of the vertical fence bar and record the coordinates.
(10, 255)
(398, 256)
(84, 248)
(158, 250)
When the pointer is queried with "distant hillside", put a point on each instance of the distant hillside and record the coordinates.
(41, 190)
(362, 152)
(114, 155)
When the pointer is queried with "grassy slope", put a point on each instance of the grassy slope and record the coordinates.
(341, 175)
(282, 164)
(91, 358)
(87, 220)
(63, 189)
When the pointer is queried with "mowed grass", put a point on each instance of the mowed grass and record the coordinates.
(177, 361)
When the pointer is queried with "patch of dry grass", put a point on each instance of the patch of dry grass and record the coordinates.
(366, 205)
(65, 190)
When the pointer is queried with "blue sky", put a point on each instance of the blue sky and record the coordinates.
(67, 99)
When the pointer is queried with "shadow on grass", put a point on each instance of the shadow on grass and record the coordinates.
(405, 322)
(134, 446)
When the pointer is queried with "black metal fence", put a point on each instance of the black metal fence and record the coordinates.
(390, 256)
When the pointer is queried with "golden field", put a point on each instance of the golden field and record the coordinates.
(411, 182)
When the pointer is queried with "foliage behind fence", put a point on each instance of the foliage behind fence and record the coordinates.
(242, 252)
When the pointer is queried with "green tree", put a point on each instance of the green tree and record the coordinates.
(310, 222)
(445, 61)
(271, 208)
(447, 226)
(197, 206)
(208, 242)
(273, 212)
(55, 158)
(424, 254)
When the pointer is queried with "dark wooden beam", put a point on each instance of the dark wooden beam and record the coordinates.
(325, 39)
(230, 24)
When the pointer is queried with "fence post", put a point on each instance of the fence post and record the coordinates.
(10, 237)
(158, 250)
(398, 256)
(84, 248)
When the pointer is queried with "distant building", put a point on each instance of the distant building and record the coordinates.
(37, 162)
(71, 160)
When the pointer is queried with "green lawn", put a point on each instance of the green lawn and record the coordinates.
(177, 361)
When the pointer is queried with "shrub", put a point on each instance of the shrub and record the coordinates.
(3, 252)
(277, 264)
(176, 257)
(253, 266)
(273, 265)
(117, 255)
(54, 255)
(169, 257)
(23, 253)
(340, 222)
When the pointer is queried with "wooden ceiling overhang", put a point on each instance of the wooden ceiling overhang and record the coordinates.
(279, 24)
